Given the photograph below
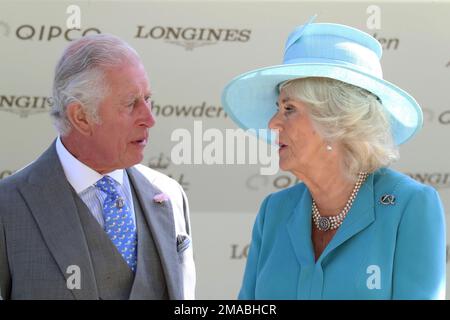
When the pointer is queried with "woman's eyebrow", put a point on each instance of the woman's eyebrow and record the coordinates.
(283, 101)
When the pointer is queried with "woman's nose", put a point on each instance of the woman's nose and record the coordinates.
(275, 123)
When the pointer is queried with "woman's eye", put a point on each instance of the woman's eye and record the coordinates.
(285, 108)
(288, 108)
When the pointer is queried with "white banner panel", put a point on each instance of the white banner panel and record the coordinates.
(191, 50)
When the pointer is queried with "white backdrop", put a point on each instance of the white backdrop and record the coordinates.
(217, 41)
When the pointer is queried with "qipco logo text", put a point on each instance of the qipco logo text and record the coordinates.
(49, 33)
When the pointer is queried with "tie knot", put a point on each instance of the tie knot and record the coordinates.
(107, 185)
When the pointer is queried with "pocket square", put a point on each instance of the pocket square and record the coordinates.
(183, 242)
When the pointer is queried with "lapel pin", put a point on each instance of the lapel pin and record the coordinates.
(387, 199)
(120, 203)
(160, 198)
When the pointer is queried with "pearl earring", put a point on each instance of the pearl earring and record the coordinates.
(329, 148)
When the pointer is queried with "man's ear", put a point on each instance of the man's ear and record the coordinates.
(79, 119)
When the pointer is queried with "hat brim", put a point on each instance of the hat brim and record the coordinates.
(250, 99)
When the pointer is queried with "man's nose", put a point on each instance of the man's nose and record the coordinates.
(146, 118)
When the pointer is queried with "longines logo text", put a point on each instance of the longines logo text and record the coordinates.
(49, 33)
(191, 37)
(239, 252)
(437, 180)
(25, 105)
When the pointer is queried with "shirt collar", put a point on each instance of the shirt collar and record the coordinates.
(79, 175)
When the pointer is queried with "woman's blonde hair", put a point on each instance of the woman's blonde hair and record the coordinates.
(348, 115)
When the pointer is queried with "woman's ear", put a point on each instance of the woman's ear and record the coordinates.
(79, 119)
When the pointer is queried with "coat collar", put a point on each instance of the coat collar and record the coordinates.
(50, 199)
(360, 216)
(160, 219)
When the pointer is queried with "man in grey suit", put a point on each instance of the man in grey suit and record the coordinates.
(85, 220)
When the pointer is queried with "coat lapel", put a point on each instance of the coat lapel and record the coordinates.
(299, 230)
(162, 226)
(360, 216)
(50, 200)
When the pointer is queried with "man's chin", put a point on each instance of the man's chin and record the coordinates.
(137, 160)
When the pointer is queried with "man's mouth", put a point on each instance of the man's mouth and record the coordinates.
(140, 142)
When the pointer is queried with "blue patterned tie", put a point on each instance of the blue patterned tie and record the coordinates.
(119, 223)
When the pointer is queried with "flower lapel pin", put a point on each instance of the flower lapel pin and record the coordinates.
(160, 198)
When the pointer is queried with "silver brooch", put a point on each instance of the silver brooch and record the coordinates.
(387, 199)
(119, 203)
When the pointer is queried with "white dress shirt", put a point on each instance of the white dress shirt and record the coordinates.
(82, 179)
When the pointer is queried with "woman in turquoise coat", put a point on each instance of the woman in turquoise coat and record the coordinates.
(353, 228)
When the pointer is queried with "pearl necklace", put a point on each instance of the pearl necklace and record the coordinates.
(334, 222)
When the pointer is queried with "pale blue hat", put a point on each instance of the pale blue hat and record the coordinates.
(322, 50)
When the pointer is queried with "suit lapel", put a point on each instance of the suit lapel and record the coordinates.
(50, 200)
(162, 227)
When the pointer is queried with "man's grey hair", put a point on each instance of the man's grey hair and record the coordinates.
(79, 75)
(349, 115)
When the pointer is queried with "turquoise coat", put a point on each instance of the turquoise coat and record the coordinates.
(381, 251)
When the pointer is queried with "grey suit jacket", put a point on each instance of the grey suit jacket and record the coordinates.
(41, 233)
